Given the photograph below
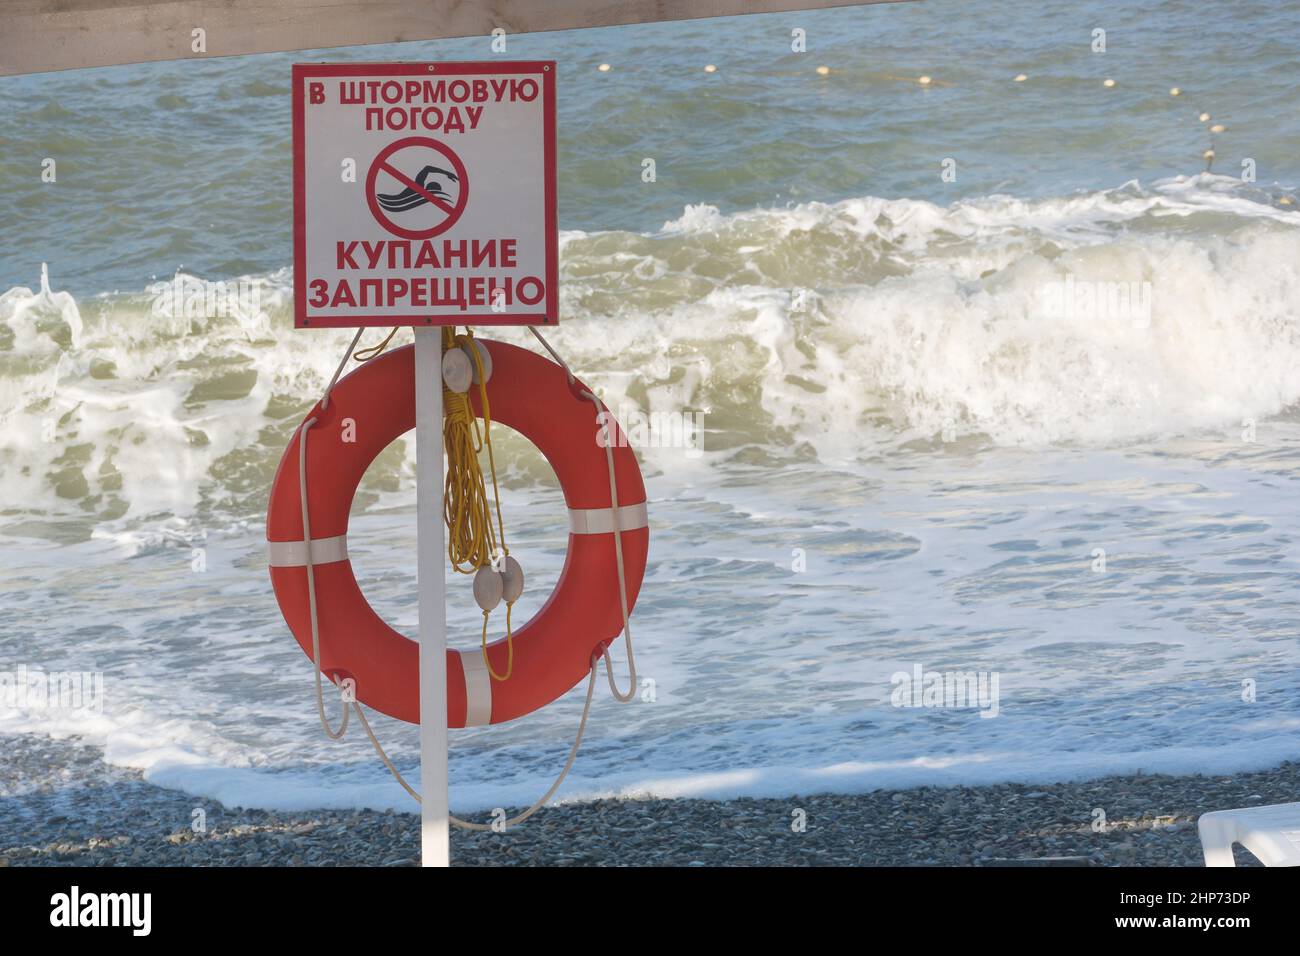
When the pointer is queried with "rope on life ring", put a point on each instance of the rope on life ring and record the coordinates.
(471, 540)
(618, 534)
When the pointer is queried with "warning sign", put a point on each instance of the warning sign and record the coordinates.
(424, 194)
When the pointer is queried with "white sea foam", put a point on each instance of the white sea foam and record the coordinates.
(919, 320)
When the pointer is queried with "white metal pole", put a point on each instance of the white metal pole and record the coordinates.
(435, 844)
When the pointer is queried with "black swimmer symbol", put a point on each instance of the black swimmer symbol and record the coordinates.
(411, 198)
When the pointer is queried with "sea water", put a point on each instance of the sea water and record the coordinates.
(974, 384)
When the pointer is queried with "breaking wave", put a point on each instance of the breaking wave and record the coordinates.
(835, 331)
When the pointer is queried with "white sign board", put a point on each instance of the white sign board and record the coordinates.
(424, 194)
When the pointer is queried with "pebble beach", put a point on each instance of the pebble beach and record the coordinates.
(65, 807)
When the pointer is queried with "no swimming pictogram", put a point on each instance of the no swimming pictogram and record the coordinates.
(417, 187)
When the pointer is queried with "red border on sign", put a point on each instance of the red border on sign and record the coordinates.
(302, 71)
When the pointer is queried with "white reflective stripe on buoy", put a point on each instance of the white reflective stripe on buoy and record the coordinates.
(601, 520)
(293, 554)
(478, 688)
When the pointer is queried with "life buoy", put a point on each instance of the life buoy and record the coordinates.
(554, 650)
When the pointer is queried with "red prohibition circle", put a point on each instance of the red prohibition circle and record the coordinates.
(381, 162)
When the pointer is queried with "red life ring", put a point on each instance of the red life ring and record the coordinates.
(553, 651)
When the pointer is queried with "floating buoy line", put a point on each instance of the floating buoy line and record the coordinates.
(926, 81)
(350, 645)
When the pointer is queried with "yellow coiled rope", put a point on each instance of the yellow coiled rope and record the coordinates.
(472, 542)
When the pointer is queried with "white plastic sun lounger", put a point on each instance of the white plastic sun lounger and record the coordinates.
(1271, 833)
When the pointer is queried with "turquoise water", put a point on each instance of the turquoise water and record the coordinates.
(917, 466)
(173, 165)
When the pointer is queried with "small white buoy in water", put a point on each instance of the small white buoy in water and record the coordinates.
(1208, 154)
(457, 371)
(1175, 91)
(512, 580)
(1205, 117)
(823, 70)
(1020, 78)
(604, 68)
(923, 80)
(710, 69)
(1108, 82)
(1217, 128)
(488, 587)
